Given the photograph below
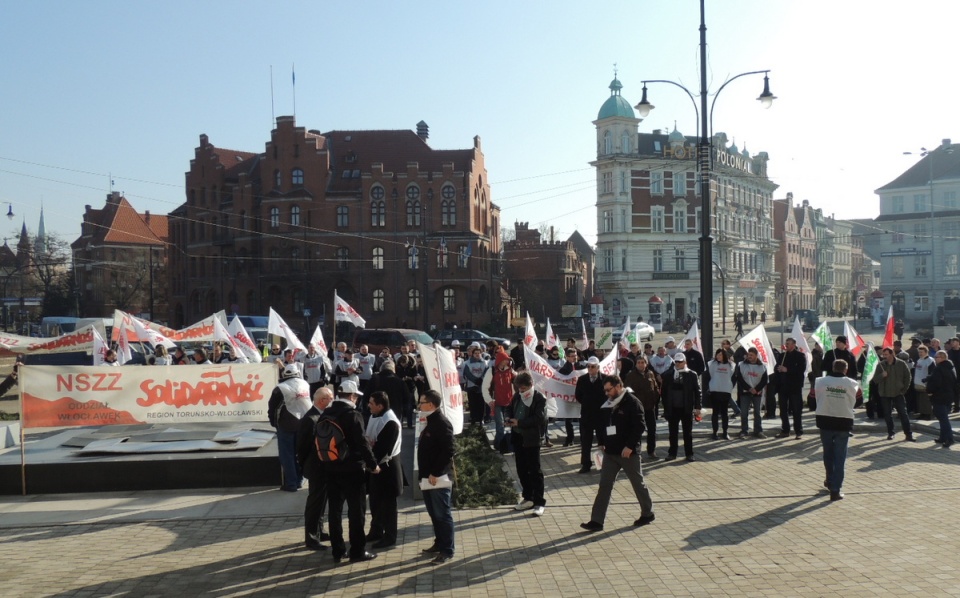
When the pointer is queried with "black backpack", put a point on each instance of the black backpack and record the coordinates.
(330, 441)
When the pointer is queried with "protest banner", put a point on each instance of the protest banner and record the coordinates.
(559, 389)
(443, 377)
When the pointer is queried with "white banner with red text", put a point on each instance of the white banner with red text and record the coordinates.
(443, 377)
(60, 396)
(559, 389)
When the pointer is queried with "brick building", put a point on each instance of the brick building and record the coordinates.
(796, 257)
(407, 234)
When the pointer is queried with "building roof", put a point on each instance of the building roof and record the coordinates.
(944, 160)
(580, 244)
(118, 223)
(616, 105)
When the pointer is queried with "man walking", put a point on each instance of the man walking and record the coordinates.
(310, 463)
(621, 445)
(589, 393)
(893, 381)
(435, 458)
(791, 370)
(529, 408)
(836, 396)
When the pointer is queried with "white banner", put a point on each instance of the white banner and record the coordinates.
(694, 335)
(530, 334)
(220, 333)
(802, 345)
(276, 325)
(342, 312)
(757, 338)
(199, 332)
(78, 340)
(442, 376)
(559, 389)
(59, 396)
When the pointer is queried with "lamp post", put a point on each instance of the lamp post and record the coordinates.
(723, 298)
(704, 163)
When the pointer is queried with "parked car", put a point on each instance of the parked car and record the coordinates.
(466, 336)
(809, 319)
(377, 338)
(646, 332)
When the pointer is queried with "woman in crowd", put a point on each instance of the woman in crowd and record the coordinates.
(719, 384)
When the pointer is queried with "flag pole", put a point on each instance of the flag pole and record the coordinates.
(334, 324)
(23, 453)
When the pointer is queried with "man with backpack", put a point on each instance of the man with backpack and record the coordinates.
(345, 457)
(310, 463)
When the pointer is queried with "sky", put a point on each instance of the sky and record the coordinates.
(97, 91)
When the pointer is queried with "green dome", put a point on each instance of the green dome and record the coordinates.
(675, 135)
(615, 105)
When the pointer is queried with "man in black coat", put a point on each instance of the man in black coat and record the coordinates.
(694, 358)
(346, 478)
(398, 391)
(435, 459)
(589, 393)
(383, 432)
(682, 397)
(839, 351)
(790, 377)
(308, 460)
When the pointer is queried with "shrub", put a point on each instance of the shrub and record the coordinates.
(482, 480)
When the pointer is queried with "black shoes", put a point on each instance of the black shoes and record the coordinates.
(440, 559)
(314, 546)
(366, 556)
(782, 435)
(568, 442)
(889, 436)
(645, 520)
(584, 470)
(726, 436)
(836, 496)
(592, 526)
(669, 457)
(432, 550)
(715, 436)
(910, 438)
(691, 458)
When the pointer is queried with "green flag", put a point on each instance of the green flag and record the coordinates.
(822, 336)
(869, 367)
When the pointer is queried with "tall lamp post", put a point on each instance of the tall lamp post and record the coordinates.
(704, 161)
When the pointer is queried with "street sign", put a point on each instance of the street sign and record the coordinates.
(861, 299)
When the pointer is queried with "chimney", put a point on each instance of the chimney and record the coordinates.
(945, 143)
(551, 235)
(146, 216)
(806, 203)
(423, 130)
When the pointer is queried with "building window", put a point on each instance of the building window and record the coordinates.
(679, 184)
(413, 300)
(343, 216)
(449, 300)
(243, 220)
(607, 143)
(897, 201)
(919, 230)
(606, 182)
(921, 301)
(656, 183)
(378, 212)
(920, 202)
(276, 179)
(296, 177)
(608, 221)
(699, 223)
(951, 263)
(378, 300)
(343, 258)
(274, 217)
(274, 259)
(376, 193)
(658, 260)
(897, 236)
(413, 192)
(413, 210)
(442, 255)
(295, 257)
(295, 216)
(608, 260)
(463, 256)
(896, 267)
(950, 200)
(413, 258)
(680, 260)
(448, 192)
(378, 258)
(623, 260)
(297, 299)
(625, 143)
(679, 219)
(656, 219)
(920, 266)
(448, 212)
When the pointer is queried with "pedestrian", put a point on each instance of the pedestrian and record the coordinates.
(398, 392)
(682, 398)
(570, 365)
(288, 403)
(473, 370)
(314, 369)
(435, 458)
(383, 434)
(836, 396)
(753, 316)
(718, 382)
(620, 442)
(161, 357)
(763, 317)
(791, 371)
(200, 357)
(816, 366)
(898, 329)
(529, 408)
(738, 324)
(179, 356)
(366, 362)
(347, 474)
(645, 384)
(751, 380)
(498, 392)
(942, 385)
(922, 369)
(953, 354)
(893, 380)
(589, 393)
(309, 463)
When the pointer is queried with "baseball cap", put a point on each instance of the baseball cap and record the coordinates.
(680, 358)
(349, 387)
(455, 343)
(593, 361)
(670, 339)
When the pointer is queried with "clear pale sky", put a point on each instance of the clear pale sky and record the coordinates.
(93, 88)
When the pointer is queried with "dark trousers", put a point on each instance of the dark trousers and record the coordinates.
(791, 403)
(942, 411)
(316, 505)
(834, 444)
(589, 426)
(383, 511)
(900, 404)
(720, 401)
(770, 402)
(650, 420)
(568, 424)
(439, 508)
(529, 472)
(349, 487)
(476, 404)
(612, 464)
(676, 417)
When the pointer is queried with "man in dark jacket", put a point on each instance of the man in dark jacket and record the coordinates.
(435, 458)
(529, 408)
(839, 351)
(694, 358)
(383, 432)
(790, 377)
(401, 398)
(645, 385)
(621, 450)
(310, 464)
(942, 385)
(953, 354)
(589, 393)
(347, 477)
(682, 397)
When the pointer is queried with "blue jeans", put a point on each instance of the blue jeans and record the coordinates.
(746, 402)
(499, 413)
(287, 451)
(441, 514)
(942, 413)
(834, 456)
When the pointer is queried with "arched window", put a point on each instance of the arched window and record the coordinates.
(276, 179)
(378, 258)
(448, 192)
(296, 177)
(625, 143)
(413, 211)
(413, 192)
(378, 299)
(413, 300)
(448, 212)
(607, 142)
(295, 215)
(413, 257)
(343, 216)
(274, 217)
(274, 259)
(376, 193)
(343, 258)
(449, 300)
(378, 213)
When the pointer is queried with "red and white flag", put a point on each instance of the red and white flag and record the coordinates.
(530, 334)
(344, 313)
(124, 354)
(99, 348)
(693, 335)
(550, 340)
(317, 341)
(888, 333)
(144, 332)
(802, 345)
(276, 325)
(855, 342)
(221, 334)
(757, 338)
(244, 343)
(584, 343)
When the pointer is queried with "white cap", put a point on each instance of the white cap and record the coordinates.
(593, 361)
(291, 370)
(455, 343)
(475, 346)
(349, 387)
(680, 358)
(670, 339)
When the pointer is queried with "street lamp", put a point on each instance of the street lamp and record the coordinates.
(704, 157)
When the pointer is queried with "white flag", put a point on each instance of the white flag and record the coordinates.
(317, 341)
(344, 313)
(694, 335)
(626, 336)
(530, 334)
(802, 345)
(584, 343)
(550, 341)
(276, 325)
(757, 338)
(123, 347)
(444, 378)
(220, 334)
(99, 348)
(245, 344)
(151, 336)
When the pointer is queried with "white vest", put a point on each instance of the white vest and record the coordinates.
(376, 425)
(296, 396)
